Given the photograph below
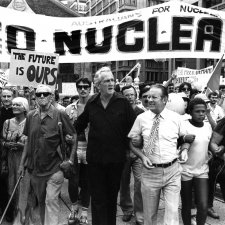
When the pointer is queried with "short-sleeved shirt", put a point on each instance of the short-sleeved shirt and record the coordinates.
(72, 112)
(170, 128)
(216, 113)
(44, 140)
(197, 162)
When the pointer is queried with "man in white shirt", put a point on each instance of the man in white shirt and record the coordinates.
(216, 111)
(161, 170)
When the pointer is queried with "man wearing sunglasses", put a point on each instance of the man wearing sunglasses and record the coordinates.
(73, 111)
(41, 153)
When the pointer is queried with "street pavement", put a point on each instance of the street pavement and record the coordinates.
(219, 206)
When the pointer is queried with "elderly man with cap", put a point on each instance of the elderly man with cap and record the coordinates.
(41, 153)
(110, 117)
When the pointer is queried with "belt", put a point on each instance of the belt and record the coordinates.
(164, 165)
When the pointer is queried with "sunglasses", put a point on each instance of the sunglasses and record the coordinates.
(185, 89)
(85, 87)
(45, 94)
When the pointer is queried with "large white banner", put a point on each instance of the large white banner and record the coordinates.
(170, 30)
(28, 68)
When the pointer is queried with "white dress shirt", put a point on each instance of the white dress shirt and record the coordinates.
(217, 113)
(171, 126)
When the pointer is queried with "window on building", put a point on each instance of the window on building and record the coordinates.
(120, 63)
(125, 63)
(154, 2)
(88, 6)
(99, 7)
(131, 63)
(121, 3)
(93, 2)
(65, 68)
(70, 78)
(113, 65)
(105, 3)
(113, 8)
(210, 3)
(106, 11)
(93, 11)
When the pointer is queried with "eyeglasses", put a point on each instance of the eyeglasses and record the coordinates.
(45, 94)
(185, 89)
(85, 87)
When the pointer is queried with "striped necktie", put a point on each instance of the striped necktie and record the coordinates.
(154, 136)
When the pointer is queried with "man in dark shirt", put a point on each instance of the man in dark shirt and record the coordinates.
(110, 116)
(5, 113)
(135, 163)
(41, 151)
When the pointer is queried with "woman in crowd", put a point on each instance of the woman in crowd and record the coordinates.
(186, 88)
(195, 169)
(13, 143)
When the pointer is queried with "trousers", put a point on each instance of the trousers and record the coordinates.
(165, 180)
(47, 190)
(104, 187)
(126, 203)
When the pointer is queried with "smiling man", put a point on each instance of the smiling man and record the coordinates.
(41, 152)
(110, 116)
(160, 129)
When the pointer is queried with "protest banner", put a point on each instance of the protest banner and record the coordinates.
(198, 76)
(69, 89)
(3, 78)
(190, 31)
(28, 68)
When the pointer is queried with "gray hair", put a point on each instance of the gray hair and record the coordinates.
(23, 101)
(99, 74)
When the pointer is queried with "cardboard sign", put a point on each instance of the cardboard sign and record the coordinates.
(3, 78)
(198, 76)
(29, 68)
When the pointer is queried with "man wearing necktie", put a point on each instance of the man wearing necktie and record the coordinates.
(159, 128)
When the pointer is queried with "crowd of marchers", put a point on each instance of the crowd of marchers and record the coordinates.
(171, 137)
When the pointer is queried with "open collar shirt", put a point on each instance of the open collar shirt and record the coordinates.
(171, 127)
(72, 111)
(44, 140)
(109, 127)
(217, 113)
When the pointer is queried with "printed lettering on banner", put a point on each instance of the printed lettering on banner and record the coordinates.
(190, 31)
